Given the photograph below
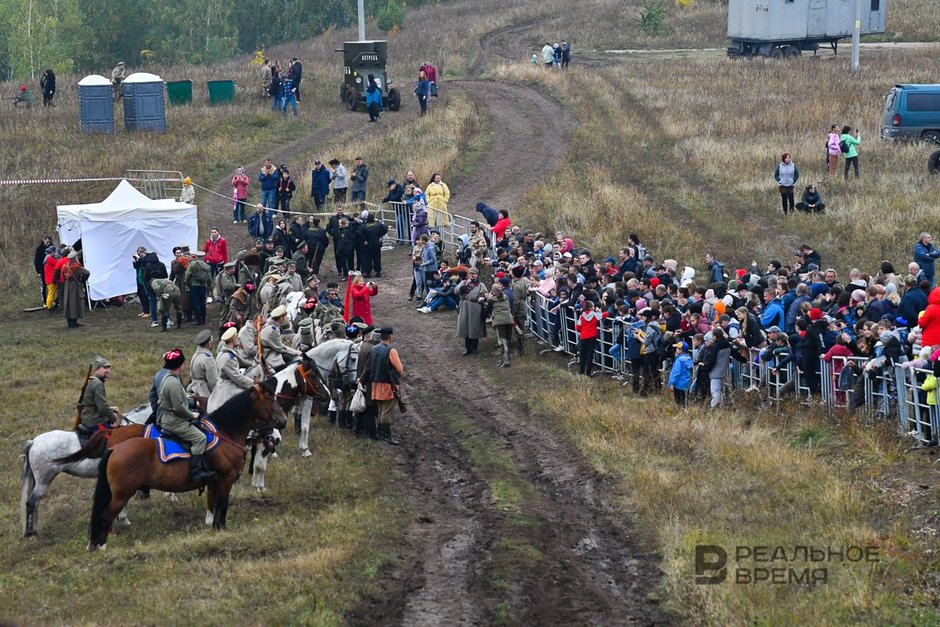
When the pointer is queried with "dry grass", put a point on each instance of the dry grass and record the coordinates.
(738, 477)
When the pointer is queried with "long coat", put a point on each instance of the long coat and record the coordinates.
(73, 291)
(231, 380)
(470, 323)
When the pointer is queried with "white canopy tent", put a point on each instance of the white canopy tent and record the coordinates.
(112, 230)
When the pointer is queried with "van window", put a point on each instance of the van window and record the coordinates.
(875, 5)
(889, 100)
(923, 102)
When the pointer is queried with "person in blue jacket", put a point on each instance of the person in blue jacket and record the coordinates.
(260, 223)
(680, 377)
(490, 214)
(319, 184)
(268, 177)
(773, 314)
(925, 255)
(373, 99)
(423, 91)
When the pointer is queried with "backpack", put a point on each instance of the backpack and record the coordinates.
(201, 272)
(843, 146)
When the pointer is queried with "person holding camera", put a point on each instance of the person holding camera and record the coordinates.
(852, 141)
(471, 325)
(361, 299)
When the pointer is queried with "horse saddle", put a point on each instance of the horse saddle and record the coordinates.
(85, 433)
(171, 448)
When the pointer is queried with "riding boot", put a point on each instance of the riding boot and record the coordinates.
(331, 415)
(389, 438)
(179, 320)
(164, 320)
(467, 348)
(198, 471)
(359, 427)
(370, 425)
(379, 433)
(504, 362)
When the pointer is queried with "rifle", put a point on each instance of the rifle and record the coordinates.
(78, 406)
(258, 326)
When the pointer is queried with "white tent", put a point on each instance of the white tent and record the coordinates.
(113, 229)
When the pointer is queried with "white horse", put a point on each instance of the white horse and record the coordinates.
(336, 362)
(40, 468)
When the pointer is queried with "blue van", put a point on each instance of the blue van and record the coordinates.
(912, 112)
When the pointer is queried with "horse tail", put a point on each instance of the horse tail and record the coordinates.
(100, 503)
(93, 448)
(27, 484)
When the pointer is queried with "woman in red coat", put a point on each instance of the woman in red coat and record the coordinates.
(930, 320)
(362, 294)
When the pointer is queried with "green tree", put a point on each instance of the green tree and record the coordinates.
(391, 16)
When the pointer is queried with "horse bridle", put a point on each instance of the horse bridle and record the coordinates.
(261, 433)
(305, 388)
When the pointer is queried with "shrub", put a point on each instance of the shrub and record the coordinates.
(391, 17)
(652, 18)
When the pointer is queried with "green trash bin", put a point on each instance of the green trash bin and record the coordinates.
(179, 92)
(221, 92)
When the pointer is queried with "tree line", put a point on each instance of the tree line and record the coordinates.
(85, 35)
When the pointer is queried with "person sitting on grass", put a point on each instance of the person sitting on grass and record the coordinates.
(812, 201)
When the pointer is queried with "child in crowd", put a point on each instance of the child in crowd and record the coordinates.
(680, 377)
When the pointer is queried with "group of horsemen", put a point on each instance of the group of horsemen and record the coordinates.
(257, 336)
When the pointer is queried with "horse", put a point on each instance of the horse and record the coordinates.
(135, 464)
(47, 455)
(336, 361)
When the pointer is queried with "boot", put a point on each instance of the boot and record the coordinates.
(297, 423)
(198, 471)
(359, 427)
(331, 415)
(378, 432)
(504, 362)
(179, 320)
(389, 438)
(163, 322)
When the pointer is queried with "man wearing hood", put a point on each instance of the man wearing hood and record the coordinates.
(489, 214)
(811, 347)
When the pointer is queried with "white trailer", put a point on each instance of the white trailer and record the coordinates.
(782, 28)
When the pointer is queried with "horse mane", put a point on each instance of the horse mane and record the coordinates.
(234, 413)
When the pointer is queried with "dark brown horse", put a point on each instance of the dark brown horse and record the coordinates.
(290, 384)
(134, 463)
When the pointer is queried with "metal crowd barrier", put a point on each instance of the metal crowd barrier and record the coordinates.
(879, 395)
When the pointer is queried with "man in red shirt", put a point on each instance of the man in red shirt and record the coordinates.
(216, 251)
(587, 328)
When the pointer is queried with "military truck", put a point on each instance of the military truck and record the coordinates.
(361, 58)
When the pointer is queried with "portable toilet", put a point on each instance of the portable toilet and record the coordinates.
(144, 109)
(96, 104)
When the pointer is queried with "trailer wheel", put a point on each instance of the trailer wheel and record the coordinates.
(793, 52)
(776, 53)
(352, 99)
(394, 100)
(933, 163)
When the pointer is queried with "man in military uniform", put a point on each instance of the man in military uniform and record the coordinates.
(168, 295)
(248, 341)
(272, 347)
(371, 234)
(231, 379)
(292, 278)
(198, 278)
(96, 413)
(203, 371)
(227, 286)
(385, 373)
(313, 287)
(276, 260)
(175, 418)
(300, 260)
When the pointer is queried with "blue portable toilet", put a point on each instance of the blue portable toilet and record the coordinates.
(144, 108)
(96, 103)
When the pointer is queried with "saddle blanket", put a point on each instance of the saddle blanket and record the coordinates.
(170, 449)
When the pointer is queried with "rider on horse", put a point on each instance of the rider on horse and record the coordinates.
(272, 345)
(96, 413)
(175, 418)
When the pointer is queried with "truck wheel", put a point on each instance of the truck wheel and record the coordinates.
(793, 52)
(394, 100)
(352, 99)
(776, 53)
(931, 136)
(933, 163)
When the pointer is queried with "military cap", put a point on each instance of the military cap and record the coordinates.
(202, 337)
(73, 254)
(279, 311)
(278, 248)
(230, 264)
(198, 253)
(230, 334)
(385, 331)
(100, 362)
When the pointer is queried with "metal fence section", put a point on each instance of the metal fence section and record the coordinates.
(156, 184)
(843, 383)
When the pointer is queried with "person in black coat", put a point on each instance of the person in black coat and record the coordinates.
(812, 201)
(811, 347)
(47, 84)
(490, 214)
(914, 301)
(317, 241)
(319, 184)
(39, 263)
(371, 234)
(344, 242)
(285, 192)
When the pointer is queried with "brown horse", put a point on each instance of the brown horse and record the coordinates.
(134, 463)
(290, 384)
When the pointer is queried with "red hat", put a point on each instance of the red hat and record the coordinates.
(310, 304)
(815, 314)
(173, 359)
(22, 87)
(654, 281)
(500, 274)
(740, 272)
(229, 325)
